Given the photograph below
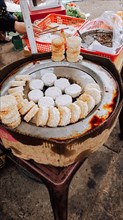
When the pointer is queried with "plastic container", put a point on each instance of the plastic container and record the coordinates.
(55, 18)
(93, 25)
(17, 41)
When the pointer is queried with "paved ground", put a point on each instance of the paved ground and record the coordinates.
(96, 192)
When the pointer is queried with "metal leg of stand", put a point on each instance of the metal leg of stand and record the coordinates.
(57, 181)
(59, 201)
(58, 189)
(121, 123)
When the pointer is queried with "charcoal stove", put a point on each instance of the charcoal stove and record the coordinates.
(66, 147)
(62, 146)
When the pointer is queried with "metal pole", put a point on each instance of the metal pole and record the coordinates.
(27, 21)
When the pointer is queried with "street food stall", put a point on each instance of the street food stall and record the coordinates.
(61, 148)
(54, 149)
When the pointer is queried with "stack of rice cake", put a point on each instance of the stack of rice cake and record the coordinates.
(73, 48)
(58, 49)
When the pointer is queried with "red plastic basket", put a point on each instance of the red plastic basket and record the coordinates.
(55, 18)
(96, 24)
(112, 57)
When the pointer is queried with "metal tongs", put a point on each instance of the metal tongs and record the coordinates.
(50, 30)
(80, 35)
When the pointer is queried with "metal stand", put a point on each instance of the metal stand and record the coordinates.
(29, 28)
(121, 113)
(121, 123)
(56, 179)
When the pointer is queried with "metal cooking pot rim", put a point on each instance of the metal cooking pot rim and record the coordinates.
(110, 90)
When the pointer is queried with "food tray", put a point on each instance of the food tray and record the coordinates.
(94, 25)
(55, 18)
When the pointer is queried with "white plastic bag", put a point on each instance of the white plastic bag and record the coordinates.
(108, 21)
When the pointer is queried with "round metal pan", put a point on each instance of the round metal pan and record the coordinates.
(82, 73)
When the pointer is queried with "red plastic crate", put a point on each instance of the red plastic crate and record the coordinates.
(40, 14)
(55, 18)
